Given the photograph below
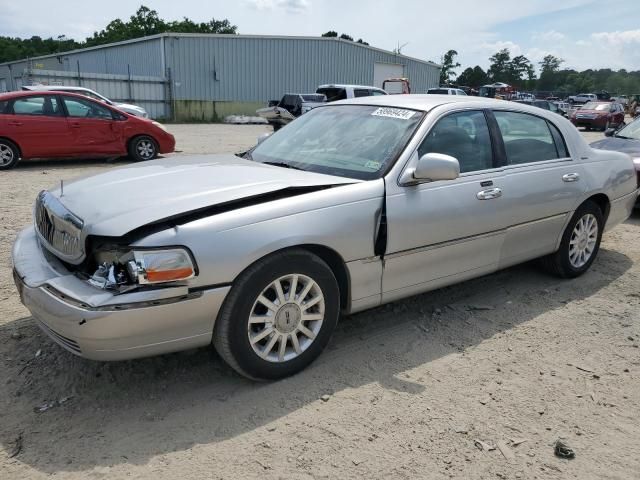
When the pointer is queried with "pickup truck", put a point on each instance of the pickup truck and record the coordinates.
(583, 98)
(342, 92)
(290, 106)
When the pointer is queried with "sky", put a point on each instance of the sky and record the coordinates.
(585, 33)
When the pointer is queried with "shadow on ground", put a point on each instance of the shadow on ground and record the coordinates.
(173, 402)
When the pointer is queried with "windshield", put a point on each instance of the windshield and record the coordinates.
(354, 141)
(597, 106)
(630, 131)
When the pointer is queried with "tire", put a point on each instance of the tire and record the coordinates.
(143, 148)
(9, 154)
(264, 359)
(562, 263)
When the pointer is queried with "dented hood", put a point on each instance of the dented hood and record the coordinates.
(123, 199)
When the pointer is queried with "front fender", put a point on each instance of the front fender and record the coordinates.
(343, 219)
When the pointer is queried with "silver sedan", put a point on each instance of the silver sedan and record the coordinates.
(353, 205)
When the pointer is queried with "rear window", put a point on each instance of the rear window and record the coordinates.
(333, 93)
(438, 91)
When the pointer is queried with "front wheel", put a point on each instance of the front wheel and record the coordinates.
(580, 243)
(279, 315)
(143, 148)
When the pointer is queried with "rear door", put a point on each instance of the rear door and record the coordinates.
(94, 128)
(542, 184)
(37, 124)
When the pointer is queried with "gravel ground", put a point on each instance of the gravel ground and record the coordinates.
(422, 388)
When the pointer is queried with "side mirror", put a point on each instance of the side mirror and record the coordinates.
(433, 167)
(609, 132)
(273, 103)
(263, 137)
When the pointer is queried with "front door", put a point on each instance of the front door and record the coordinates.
(445, 231)
(93, 126)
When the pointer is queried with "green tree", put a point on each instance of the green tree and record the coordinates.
(521, 71)
(499, 69)
(330, 34)
(147, 22)
(473, 77)
(549, 68)
(448, 65)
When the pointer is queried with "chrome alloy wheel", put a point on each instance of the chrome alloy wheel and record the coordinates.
(583, 240)
(286, 318)
(6, 154)
(146, 149)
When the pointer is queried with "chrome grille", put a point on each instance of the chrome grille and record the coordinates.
(59, 229)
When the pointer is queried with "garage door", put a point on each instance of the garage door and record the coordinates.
(382, 71)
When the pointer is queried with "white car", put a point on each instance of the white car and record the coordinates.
(583, 98)
(125, 107)
(445, 91)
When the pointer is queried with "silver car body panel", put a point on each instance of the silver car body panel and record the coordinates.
(438, 233)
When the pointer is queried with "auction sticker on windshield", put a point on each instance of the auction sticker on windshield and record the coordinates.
(394, 113)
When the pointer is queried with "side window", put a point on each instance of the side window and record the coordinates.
(527, 138)
(463, 135)
(41, 106)
(378, 92)
(4, 107)
(558, 139)
(79, 108)
(361, 92)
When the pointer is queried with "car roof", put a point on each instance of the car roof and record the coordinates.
(425, 102)
(58, 88)
(39, 93)
(341, 85)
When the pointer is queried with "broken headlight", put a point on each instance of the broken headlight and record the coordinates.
(123, 270)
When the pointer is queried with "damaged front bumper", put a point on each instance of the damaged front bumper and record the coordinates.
(103, 325)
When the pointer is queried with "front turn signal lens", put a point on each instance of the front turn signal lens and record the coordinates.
(160, 266)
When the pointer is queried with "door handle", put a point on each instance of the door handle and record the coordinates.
(571, 177)
(489, 194)
(16, 124)
(75, 124)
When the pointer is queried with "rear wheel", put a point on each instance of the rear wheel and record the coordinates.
(9, 154)
(580, 243)
(279, 315)
(143, 148)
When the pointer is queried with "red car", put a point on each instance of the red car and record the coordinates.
(600, 115)
(65, 125)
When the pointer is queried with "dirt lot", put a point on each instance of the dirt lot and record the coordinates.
(516, 359)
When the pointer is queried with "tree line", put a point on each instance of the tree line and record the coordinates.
(519, 71)
(143, 23)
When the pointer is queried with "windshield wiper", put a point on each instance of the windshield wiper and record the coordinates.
(626, 138)
(283, 165)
